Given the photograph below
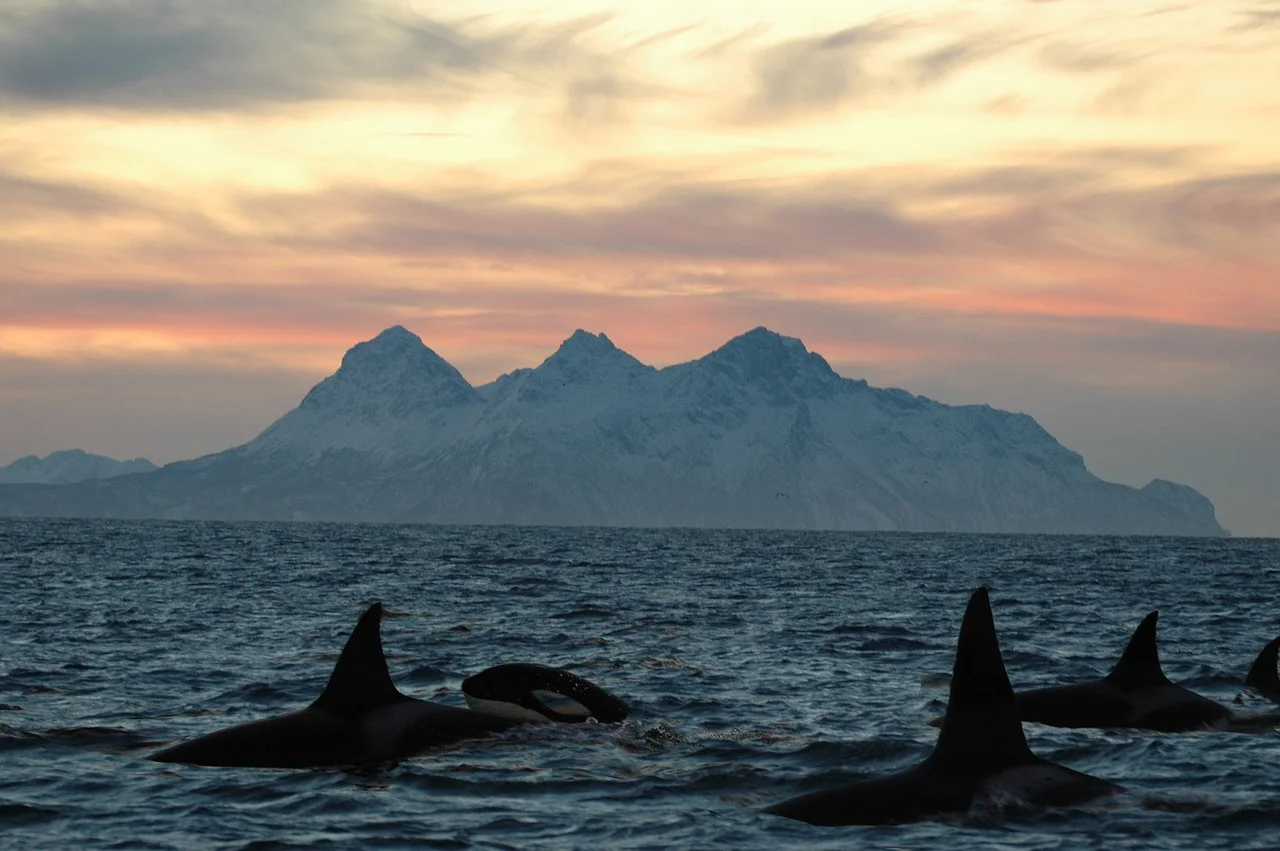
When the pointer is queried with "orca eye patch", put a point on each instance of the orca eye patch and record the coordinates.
(561, 704)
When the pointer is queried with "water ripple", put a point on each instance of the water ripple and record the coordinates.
(758, 665)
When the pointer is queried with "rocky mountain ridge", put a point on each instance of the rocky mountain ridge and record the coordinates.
(68, 466)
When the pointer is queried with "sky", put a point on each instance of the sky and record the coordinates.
(1069, 209)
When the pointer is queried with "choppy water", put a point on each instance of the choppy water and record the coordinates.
(758, 665)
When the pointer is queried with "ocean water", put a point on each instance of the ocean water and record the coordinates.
(758, 665)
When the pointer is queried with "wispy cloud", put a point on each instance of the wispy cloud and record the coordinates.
(708, 222)
(1073, 57)
(937, 64)
(188, 55)
(1038, 235)
(1258, 16)
(33, 197)
(868, 63)
(1051, 212)
(492, 282)
(817, 72)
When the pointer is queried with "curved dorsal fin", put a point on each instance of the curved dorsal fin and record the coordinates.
(1262, 677)
(982, 726)
(1140, 664)
(360, 682)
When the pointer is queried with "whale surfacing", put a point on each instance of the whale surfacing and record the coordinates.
(981, 753)
(541, 693)
(1136, 694)
(360, 718)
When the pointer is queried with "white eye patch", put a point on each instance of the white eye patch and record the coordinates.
(557, 702)
(504, 709)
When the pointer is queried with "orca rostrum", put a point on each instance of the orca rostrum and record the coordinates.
(360, 718)
(1136, 694)
(981, 755)
(537, 693)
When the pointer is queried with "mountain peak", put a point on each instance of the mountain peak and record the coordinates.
(396, 332)
(396, 349)
(761, 334)
(761, 338)
(584, 343)
(394, 341)
(761, 354)
(584, 353)
(394, 368)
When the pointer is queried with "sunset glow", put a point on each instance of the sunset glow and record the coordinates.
(1021, 203)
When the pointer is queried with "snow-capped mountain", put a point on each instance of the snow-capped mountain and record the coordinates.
(388, 398)
(69, 465)
(759, 433)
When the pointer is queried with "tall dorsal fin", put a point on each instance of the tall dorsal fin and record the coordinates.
(982, 726)
(1140, 664)
(1262, 676)
(360, 682)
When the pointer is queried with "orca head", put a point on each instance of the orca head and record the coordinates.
(540, 693)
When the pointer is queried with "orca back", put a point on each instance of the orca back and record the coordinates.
(300, 739)
(1135, 695)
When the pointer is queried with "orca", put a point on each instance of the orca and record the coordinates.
(359, 719)
(981, 754)
(1135, 695)
(538, 693)
(1262, 676)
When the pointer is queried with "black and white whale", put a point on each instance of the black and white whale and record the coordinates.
(360, 718)
(537, 693)
(981, 753)
(1262, 676)
(1136, 694)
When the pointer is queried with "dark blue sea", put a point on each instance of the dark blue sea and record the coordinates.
(758, 665)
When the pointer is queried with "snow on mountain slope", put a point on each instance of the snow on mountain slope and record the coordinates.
(390, 397)
(586, 376)
(758, 433)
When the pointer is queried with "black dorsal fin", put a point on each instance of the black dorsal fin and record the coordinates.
(1140, 664)
(982, 727)
(1262, 676)
(360, 682)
